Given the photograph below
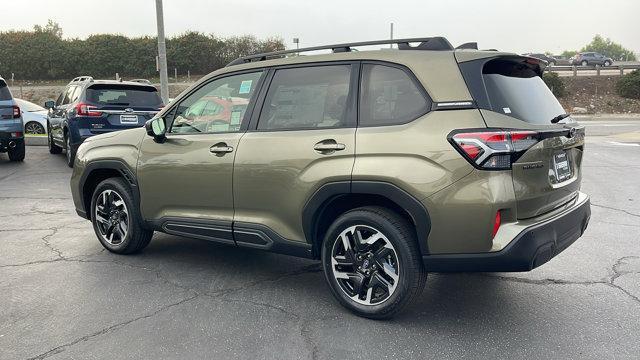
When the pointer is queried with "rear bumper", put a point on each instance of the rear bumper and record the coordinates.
(534, 246)
(7, 141)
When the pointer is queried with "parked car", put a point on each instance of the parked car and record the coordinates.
(89, 107)
(591, 58)
(551, 61)
(11, 128)
(34, 117)
(381, 164)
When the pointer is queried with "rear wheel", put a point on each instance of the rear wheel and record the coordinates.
(372, 263)
(115, 218)
(17, 153)
(607, 63)
(584, 63)
(33, 128)
(71, 151)
(53, 148)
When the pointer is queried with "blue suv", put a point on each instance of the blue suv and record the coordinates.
(11, 128)
(89, 107)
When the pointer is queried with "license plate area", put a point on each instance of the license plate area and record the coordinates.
(562, 167)
(128, 119)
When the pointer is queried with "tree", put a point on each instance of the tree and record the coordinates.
(52, 28)
(609, 48)
(569, 53)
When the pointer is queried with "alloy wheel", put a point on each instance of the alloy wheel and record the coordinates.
(34, 128)
(111, 217)
(365, 265)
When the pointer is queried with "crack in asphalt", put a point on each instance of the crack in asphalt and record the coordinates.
(63, 347)
(610, 281)
(615, 209)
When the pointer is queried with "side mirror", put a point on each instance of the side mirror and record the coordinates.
(156, 128)
(49, 104)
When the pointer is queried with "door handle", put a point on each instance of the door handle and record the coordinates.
(328, 146)
(221, 148)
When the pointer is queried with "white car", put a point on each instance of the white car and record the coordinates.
(34, 117)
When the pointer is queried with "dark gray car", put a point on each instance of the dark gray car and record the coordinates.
(591, 58)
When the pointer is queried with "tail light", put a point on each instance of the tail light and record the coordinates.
(83, 109)
(16, 111)
(493, 150)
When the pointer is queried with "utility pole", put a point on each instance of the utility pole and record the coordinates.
(162, 55)
(391, 35)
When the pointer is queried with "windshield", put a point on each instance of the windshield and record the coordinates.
(124, 95)
(5, 94)
(528, 99)
(28, 106)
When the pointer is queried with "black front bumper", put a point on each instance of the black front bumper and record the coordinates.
(533, 247)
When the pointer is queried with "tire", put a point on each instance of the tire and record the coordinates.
(18, 152)
(126, 235)
(551, 63)
(53, 148)
(584, 63)
(71, 151)
(395, 273)
(33, 128)
(607, 63)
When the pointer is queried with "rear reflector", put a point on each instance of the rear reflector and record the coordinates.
(496, 224)
(493, 150)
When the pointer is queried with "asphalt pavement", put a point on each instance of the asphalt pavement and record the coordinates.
(63, 297)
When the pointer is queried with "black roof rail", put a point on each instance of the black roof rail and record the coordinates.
(431, 43)
(82, 78)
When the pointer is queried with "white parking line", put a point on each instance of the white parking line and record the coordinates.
(622, 144)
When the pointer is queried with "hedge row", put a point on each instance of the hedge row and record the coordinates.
(41, 55)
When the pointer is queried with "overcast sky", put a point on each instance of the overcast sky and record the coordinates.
(519, 26)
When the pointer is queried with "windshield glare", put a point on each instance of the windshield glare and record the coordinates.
(528, 99)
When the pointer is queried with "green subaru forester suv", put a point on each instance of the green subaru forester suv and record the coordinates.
(383, 164)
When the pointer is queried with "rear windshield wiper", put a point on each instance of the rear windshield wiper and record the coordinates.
(559, 117)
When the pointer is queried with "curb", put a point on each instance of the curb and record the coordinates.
(35, 140)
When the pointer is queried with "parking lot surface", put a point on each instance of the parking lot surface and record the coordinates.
(63, 296)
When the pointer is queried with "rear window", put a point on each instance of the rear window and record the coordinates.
(123, 95)
(5, 94)
(514, 88)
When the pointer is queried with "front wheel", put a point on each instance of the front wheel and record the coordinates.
(607, 63)
(53, 148)
(372, 262)
(33, 128)
(584, 63)
(71, 152)
(115, 218)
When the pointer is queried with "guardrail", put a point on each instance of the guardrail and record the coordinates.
(597, 68)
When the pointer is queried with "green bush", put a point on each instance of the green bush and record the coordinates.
(555, 83)
(629, 85)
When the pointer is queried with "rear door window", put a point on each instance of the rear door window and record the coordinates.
(389, 96)
(5, 94)
(123, 95)
(307, 98)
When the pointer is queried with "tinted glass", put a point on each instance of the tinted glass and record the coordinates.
(307, 98)
(67, 95)
(124, 95)
(5, 94)
(219, 106)
(389, 97)
(525, 98)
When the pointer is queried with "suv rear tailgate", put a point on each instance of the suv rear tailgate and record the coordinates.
(511, 95)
